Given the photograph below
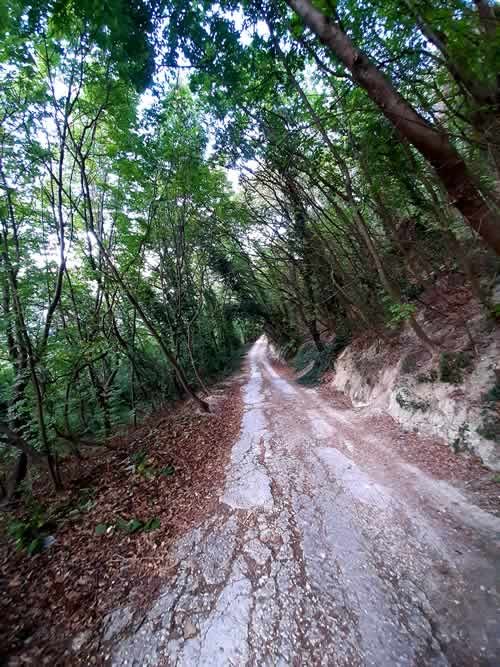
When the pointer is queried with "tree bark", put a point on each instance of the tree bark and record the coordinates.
(17, 476)
(434, 145)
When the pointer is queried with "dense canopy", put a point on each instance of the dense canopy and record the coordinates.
(176, 177)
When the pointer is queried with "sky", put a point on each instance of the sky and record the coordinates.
(162, 75)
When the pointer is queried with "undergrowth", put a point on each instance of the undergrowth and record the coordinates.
(33, 530)
(490, 428)
(321, 361)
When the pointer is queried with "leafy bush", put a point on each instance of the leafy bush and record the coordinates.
(399, 312)
(321, 365)
(495, 311)
(324, 360)
(30, 532)
(140, 465)
(306, 354)
(288, 349)
(490, 429)
(493, 395)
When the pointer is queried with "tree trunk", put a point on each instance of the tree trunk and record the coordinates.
(153, 331)
(434, 145)
(17, 476)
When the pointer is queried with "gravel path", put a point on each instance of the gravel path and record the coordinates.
(325, 549)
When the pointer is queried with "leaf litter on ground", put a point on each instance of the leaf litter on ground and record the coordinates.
(116, 547)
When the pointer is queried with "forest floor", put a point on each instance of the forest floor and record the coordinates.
(169, 470)
(294, 530)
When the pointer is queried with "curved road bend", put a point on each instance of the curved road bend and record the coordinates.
(325, 549)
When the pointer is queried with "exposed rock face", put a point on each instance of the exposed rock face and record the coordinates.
(407, 382)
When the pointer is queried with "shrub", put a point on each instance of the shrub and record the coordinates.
(412, 290)
(325, 359)
(493, 395)
(490, 429)
(398, 312)
(29, 533)
(305, 355)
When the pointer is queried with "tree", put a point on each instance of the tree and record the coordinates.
(433, 143)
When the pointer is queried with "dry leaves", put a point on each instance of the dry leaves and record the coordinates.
(67, 590)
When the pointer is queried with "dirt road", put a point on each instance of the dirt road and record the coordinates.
(326, 549)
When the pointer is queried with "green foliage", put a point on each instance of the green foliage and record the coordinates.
(151, 524)
(399, 312)
(140, 465)
(493, 395)
(129, 526)
(306, 354)
(97, 364)
(125, 248)
(453, 365)
(321, 361)
(495, 311)
(101, 529)
(29, 533)
(490, 429)
(76, 507)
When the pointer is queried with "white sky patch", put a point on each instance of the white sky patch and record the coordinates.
(247, 30)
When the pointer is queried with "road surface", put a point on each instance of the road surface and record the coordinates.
(325, 549)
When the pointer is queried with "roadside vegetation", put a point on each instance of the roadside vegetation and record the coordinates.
(177, 178)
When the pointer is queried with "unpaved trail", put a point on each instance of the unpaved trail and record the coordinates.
(325, 549)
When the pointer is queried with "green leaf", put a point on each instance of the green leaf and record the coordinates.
(122, 524)
(100, 529)
(495, 311)
(138, 457)
(16, 528)
(134, 525)
(152, 524)
(35, 546)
